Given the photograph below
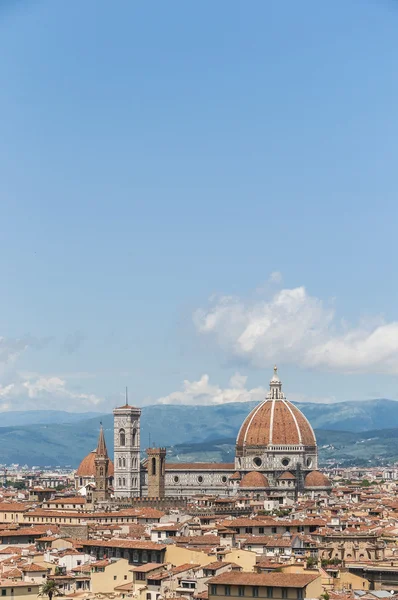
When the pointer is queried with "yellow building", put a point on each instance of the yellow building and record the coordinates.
(107, 574)
(19, 589)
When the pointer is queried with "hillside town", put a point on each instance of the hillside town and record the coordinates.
(272, 524)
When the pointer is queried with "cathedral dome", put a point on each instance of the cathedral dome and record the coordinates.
(254, 479)
(316, 479)
(275, 422)
(87, 466)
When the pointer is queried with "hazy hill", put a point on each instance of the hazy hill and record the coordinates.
(32, 417)
(59, 438)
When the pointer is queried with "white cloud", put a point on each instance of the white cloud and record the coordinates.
(275, 277)
(56, 387)
(21, 391)
(294, 327)
(204, 393)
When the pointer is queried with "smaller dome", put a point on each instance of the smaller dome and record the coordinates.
(254, 479)
(87, 466)
(316, 479)
(286, 475)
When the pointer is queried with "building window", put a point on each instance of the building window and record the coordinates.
(261, 529)
(3, 592)
(241, 590)
(224, 479)
(122, 437)
(270, 592)
(214, 590)
(124, 462)
(273, 529)
(284, 593)
(114, 577)
(300, 593)
(227, 590)
(153, 465)
(255, 591)
(176, 479)
(148, 596)
(134, 438)
(249, 529)
(200, 479)
(124, 482)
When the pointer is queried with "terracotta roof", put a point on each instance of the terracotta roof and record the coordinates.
(286, 475)
(87, 466)
(276, 422)
(218, 564)
(295, 580)
(32, 567)
(13, 507)
(316, 479)
(14, 573)
(11, 583)
(117, 543)
(254, 479)
(147, 568)
(67, 500)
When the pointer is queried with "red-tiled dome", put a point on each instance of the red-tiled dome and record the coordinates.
(286, 475)
(317, 479)
(87, 466)
(254, 479)
(276, 421)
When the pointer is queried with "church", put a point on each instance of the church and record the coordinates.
(276, 455)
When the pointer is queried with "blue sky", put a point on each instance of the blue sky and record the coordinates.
(159, 161)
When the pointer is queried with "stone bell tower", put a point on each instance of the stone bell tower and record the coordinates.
(101, 463)
(156, 472)
(127, 451)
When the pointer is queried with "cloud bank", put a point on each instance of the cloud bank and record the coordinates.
(293, 327)
(20, 391)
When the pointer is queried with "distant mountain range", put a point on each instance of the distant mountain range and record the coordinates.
(348, 430)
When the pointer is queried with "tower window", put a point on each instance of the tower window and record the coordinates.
(124, 482)
(124, 462)
(134, 438)
(122, 437)
(153, 462)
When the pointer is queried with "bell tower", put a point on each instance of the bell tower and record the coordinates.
(101, 462)
(127, 451)
(156, 472)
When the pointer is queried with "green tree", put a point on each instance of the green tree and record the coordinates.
(49, 589)
(311, 562)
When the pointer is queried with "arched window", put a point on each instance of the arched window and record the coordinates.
(120, 482)
(153, 465)
(122, 437)
(124, 482)
(134, 438)
(101, 471)
(124, 462)
(120, 462)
